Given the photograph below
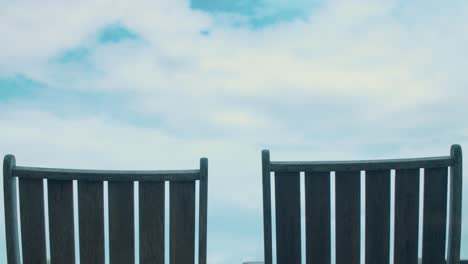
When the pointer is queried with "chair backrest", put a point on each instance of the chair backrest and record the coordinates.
(90, 198)
(438, 185)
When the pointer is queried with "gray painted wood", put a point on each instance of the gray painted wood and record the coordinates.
(347, 192)
(31, 194)
(406, 215)
(288, 218)
(91, 221)
(267, 236)
(377, 189)
(11, 210)
(151, 203)
(377, 240)
(91, 213)
(317, 211)
(105, 175)
(61, 226)
(203, 187)
(182, 222)
(455, 205)
(121, 223)
(358, 165)
(435, 215)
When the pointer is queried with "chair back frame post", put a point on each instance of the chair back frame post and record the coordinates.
(266, 206)
(455, 205)
(203, 203)
(11, 210)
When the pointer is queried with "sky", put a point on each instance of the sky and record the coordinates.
(159, 84)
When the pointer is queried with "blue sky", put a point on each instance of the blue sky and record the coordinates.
(159, 84)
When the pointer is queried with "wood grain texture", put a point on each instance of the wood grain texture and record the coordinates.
(32, 221)
(121, 223)
(288, 218)
(435, 215)
(377, 241)
(151, 203)
(347, 188)
(182, 222)
(61, 226)
(317, 210)
(11, 210)
(267, 234)
(406, 216)
(91, 221)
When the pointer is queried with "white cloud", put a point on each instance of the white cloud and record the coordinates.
(343, 49)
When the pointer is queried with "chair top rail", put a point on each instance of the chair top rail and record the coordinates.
(105, 175)
(353, 165)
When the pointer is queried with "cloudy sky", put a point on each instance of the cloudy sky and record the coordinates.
(159, 84)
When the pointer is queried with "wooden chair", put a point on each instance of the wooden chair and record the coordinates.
(437, 186)
(90, 199)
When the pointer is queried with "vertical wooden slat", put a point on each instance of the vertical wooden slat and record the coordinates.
(435, 215)
(121, 222)
(406, 216)
(377, 216)
(455, 204)
(61, 226)
(151, 203)
(317, 210)
(267, 236)
(32, 221)
(203, 211)
(347, 188)
(11, 210)
(182, 222)
(288, 218)
(91, 221)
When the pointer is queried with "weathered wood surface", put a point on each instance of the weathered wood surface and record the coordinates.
(288, 218)
(377, 216)
(435, 215)
(61, 225)
(182, 222)
(348, 215)
(91, 221)
(151, 203)
(317, 223)
(406, 215)
(33, 238)
(121, 223)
